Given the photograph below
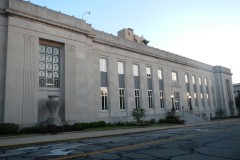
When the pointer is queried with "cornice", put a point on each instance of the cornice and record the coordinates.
(12, 12)
(150, 54)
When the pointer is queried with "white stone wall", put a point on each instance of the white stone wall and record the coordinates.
(81, 49)
(3, 40)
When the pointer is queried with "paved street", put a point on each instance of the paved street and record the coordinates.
(208, 142)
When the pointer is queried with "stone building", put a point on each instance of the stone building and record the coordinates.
(98, 76)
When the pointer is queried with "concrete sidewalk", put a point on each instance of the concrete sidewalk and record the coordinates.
(8, 141)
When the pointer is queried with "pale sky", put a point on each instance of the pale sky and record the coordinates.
(204, 30)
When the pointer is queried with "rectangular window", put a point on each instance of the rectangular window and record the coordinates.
(103, 65)
(150, 99)
(195, 97)
(200, 81)
(206, 82)
(49, 66)
(202, 99)
(174, 76)
(177, 101)
(104, 95)
(135, 70)
(137, 98)
(148, 70)
(122, 98)
(193, 79)
(159, 74)
(161, 100)
(120, 68)
(186, 78)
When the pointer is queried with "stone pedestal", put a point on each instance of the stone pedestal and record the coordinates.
(53, 105)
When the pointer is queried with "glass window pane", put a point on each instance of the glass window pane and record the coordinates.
(174, 76)
(120, 68)
(193, 79)
(49, 66)
(135, 70)
(159, 74)
(148, 70)
(103, 65)
(186, 78)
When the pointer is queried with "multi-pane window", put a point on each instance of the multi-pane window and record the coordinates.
(177, 101)
(122, 98)
(174, 76)
(159, 74)
(120, 68)
(148, 70)
(103, 65)
(104, 95)
(150, 99)
(49, 66)
(137, 98)
(161, 99)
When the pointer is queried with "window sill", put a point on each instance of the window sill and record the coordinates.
(48, 89)
(104, 111)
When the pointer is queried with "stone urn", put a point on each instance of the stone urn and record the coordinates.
(53, 105)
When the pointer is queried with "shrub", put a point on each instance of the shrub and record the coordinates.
(172, 119)
(102, 124)
(138, 114)
(77, 126)
(153, 121)
(8, 128)
(68, 128)
(52, 128)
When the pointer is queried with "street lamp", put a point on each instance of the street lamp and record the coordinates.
(173, 109)
(88, 12)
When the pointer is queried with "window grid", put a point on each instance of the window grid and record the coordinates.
(150, 105)
(137, 98)
(49, 66)
(104, 96)
(177, 101)
(122, 98)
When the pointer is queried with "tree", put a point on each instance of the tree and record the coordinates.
(138, 114)
(237, 102)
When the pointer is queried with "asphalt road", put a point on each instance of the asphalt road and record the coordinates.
(208, 142)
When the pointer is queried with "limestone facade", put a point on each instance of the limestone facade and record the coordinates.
(75, 75)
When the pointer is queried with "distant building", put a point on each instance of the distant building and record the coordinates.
(98, 76)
